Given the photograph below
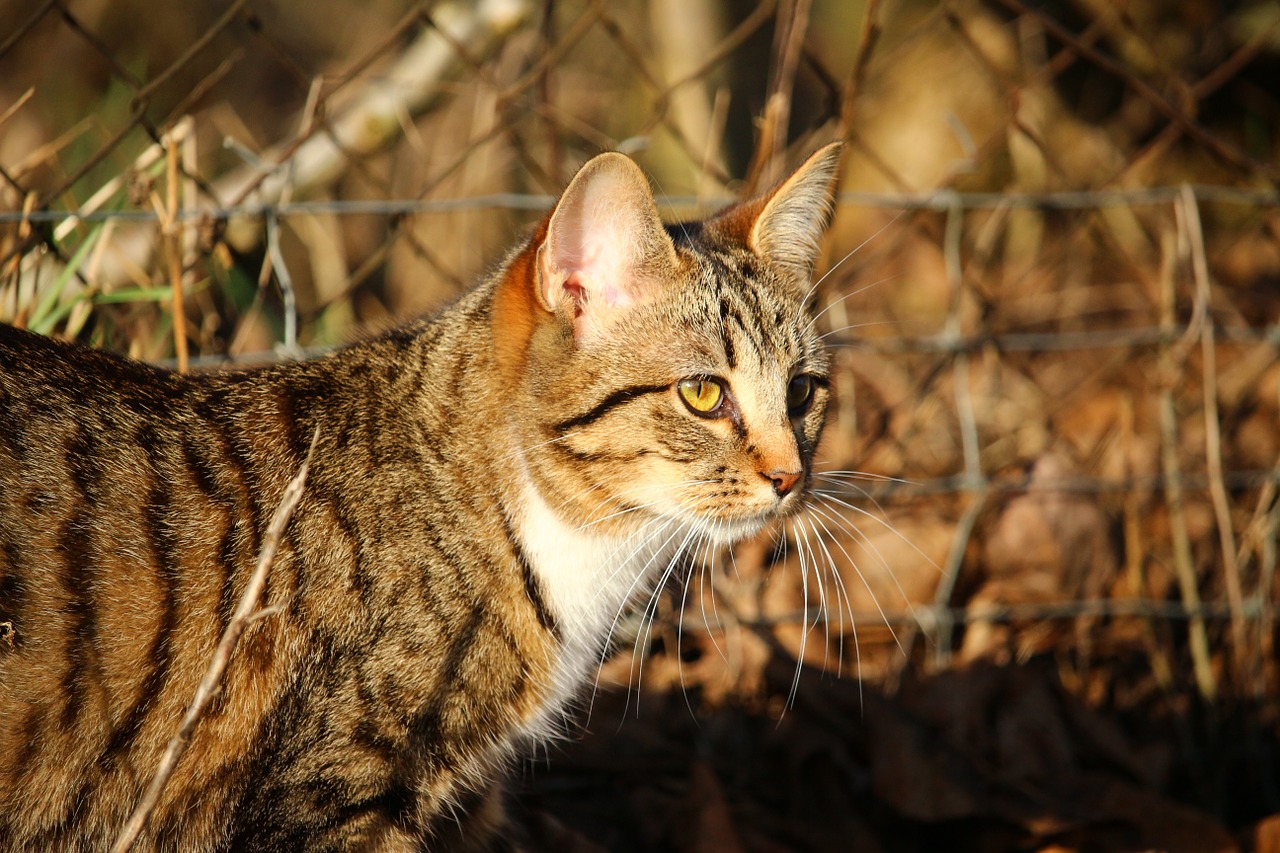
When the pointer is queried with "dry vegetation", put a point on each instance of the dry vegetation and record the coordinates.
(1051, 596)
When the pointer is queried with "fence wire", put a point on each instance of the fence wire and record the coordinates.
(1057, 342)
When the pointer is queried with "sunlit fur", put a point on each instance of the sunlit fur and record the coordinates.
(491, 492)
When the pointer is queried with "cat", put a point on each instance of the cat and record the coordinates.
(490, 489)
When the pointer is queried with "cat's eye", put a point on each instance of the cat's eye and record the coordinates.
(799, 393)
(704, 396)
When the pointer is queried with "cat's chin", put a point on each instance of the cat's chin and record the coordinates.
(725, 532)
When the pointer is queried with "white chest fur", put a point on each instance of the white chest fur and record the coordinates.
(588, 581)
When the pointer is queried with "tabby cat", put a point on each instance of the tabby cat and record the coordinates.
(490, 489)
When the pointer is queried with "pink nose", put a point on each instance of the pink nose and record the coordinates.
(783, 481)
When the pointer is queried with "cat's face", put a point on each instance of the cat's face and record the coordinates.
(735, 393)
(680, 378)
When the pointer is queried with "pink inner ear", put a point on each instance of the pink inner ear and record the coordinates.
(577, 291)
(605, 247)
(595, 269)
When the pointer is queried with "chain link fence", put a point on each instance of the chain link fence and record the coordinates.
(1052, 285)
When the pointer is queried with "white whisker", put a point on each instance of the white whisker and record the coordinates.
(854, 533)
(827, 497)
(851, 326)
(632, 509)
(861, 475)
(849, 254)
(650, 613)
(839, 579)
(813, 321)
(840, 594)
(804, 632)
(641, 575)
(659, 526)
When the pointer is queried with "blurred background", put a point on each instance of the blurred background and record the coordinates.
(1033, 608)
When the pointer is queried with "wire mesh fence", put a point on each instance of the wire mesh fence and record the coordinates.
(1052, 285)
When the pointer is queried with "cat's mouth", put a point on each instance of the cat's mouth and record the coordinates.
(730, 524)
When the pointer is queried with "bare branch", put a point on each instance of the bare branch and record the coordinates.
(371, 122)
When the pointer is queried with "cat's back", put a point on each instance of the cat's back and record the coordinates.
(128, 509)
(46, 383)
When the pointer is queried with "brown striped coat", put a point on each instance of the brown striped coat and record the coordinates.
(490, 488)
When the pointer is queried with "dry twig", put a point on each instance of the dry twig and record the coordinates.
(1213, 434)
(173, 232)
(370, 123)
(1171, 362)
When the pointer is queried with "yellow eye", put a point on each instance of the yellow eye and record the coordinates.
(799, 393)
(701, 395)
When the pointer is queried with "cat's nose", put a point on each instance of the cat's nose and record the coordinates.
(783, 481)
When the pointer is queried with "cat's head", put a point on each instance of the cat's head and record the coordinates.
(669, 371)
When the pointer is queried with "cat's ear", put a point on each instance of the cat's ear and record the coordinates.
(786, 224)
(605, 248)
(790, 227)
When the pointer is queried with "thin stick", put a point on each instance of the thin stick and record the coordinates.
(173, 240)
(1213, 437)
(1171, 362)
(246, 613)
(858, 75)
(967, 421)
(793, 22)
(16, 105)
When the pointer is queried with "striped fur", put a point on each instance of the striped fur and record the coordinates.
(491, 488)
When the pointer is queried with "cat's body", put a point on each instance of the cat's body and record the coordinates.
(489, 490)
